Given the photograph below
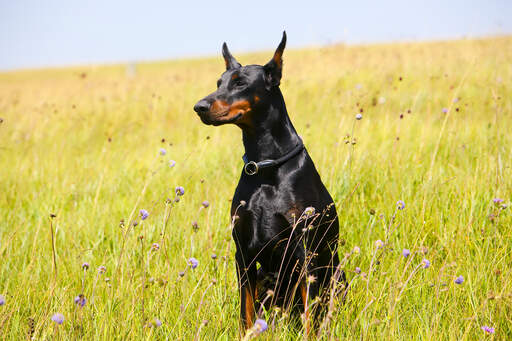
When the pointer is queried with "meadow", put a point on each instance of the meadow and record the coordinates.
(83, 150)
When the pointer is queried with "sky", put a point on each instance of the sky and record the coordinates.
(36, 34)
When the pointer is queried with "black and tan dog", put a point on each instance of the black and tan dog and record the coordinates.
(285, 221)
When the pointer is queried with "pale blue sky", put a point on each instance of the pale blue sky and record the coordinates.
(54, 32)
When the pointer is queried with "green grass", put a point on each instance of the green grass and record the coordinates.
(87, 150)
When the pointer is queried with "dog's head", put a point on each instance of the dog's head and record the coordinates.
(241, 90)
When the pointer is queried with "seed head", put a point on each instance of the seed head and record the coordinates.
(309, 211)
(459, 280)
(180, 191)
(58, 318)
(242, 203)
(193, 262)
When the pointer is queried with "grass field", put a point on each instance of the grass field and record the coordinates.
(84, 145)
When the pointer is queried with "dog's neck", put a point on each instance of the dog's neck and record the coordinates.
(273, 137)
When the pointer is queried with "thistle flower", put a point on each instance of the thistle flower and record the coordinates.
(400, 204)
(85, 266)
(144, 214)
(102, 269)
(459, 280)
(2, 300)
(155, 247)
(163, 151)
(172, 163)
(260, 326)
(80, 300)
(180, 191)
(406, 253)
(426, 263)
(379, 243)
(193, 262)
(359, 117)
(205, 204)
(309, 211)
(58, 318)
(487, 329)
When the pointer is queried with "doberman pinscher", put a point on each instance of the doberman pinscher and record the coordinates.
(285, 221)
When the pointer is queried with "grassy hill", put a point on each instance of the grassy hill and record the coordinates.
(84, 145)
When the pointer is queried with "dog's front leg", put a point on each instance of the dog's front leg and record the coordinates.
(246, 270)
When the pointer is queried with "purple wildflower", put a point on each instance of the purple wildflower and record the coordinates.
(309, 211)
(379, 243)
(163, 151)
(80, 300)
(357, 270)
(85, 266)
(2, 300)
(144, 214)
(400, 204)
(180, 191)
(445, 110)
(497, 200)
(205, 204)
(102, 269)
(193, 262)
(157, 323)
(406, 253)
(155, 247)
(172, 163)
(260, 326)
(455, 100)
(426, 263)
(459, 280)
(488, 329)
(359, 117)
(58, 318)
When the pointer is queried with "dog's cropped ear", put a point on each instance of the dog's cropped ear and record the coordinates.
(231, 62)
(274, 68)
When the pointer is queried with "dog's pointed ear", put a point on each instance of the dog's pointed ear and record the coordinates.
(231, 62)
(274, 68)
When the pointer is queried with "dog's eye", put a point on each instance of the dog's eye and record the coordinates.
(238, 83)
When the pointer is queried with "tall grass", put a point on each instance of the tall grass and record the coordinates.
(84, 145)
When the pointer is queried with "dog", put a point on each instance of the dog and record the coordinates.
(285, 224)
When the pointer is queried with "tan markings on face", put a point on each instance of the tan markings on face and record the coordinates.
(256, 99)
(234, 76)
(219, 107)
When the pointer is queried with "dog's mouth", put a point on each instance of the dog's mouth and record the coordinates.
(219, 119)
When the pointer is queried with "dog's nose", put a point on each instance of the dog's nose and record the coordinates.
(202, 107)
